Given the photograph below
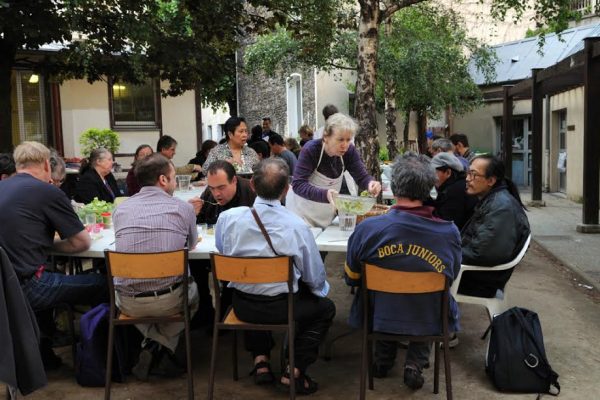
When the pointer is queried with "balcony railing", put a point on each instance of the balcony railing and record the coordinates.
(586, 7)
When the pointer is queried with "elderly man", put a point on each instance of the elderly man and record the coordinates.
(167, 146)
(452, 202)
(35, 211)
(408, 238)
(152, 221)
(498, 229)
(225, 190)
(444, 145)
(238, 234)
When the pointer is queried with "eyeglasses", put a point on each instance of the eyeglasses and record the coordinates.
(473, 174)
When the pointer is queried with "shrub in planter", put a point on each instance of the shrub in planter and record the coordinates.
(94, 138)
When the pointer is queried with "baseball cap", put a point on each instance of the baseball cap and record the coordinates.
(446, 160)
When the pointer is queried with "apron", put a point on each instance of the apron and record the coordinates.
(316, 213)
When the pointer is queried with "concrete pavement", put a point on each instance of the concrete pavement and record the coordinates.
(553, 228)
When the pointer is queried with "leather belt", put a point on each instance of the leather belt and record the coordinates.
(154, 293)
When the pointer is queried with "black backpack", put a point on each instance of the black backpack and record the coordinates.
(516, 360)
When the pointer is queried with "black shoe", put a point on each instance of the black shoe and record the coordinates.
(413, 378)
(263, 378)
(379, 371)
(167, 366)
(145, 360)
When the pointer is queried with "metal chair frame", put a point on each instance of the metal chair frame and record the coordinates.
(155, 266)
(375, 278)
(250, 270)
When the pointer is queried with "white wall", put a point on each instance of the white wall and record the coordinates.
(179, 121)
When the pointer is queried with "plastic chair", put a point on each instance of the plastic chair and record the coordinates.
(147, 266)
(494, 305)
(254, 270)
(379, 279)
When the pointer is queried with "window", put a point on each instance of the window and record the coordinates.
(28, 108)
(294, 104)
(134, 106)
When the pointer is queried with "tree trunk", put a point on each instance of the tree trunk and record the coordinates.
(390, 108)
(421, 128)
(8, 52)
(367, 141)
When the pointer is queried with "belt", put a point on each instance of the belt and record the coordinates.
(154, 293)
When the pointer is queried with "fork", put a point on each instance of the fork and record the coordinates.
(210, 202)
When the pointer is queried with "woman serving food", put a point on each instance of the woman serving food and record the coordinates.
(320, 170)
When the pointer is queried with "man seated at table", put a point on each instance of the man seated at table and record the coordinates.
(224, 190)
(238, 234)
(167, 146)
(408, 238)
(33, 212)
(153, 221)
(496, 232)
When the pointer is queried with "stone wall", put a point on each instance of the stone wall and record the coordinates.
(262, 96)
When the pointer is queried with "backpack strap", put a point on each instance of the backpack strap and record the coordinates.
(521, 319)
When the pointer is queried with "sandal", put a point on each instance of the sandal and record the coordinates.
(304, 384)
(262, 378)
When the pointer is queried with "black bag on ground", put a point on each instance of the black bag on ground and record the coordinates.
(516, 360)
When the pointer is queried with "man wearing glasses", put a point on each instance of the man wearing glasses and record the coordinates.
(497, 230)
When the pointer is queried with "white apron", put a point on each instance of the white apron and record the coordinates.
(316, 213)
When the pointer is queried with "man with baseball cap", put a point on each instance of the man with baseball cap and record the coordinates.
(452, 202)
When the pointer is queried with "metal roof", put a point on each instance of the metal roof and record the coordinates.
(516, 59)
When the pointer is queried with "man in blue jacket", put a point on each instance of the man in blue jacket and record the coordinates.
(408, 238)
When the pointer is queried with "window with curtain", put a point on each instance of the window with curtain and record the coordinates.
(28, 108)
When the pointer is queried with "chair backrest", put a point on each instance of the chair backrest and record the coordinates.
(393, 281)
(146, 265)
(251, 269)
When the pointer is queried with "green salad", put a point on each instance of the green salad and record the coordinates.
(354, 205)
(97, 207)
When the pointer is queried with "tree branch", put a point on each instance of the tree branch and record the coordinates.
(395, 6)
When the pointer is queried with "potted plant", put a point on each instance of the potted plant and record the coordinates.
(94, 138)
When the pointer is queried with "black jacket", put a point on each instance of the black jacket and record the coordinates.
(21, 365)
(452, 202)
(90, 185)
(494, 235)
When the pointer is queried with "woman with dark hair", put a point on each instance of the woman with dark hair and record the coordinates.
(261, 148)
(234, 150)
(96, 178)
(256, 135)
(143, 151)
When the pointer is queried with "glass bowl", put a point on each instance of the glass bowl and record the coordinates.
(355, 205)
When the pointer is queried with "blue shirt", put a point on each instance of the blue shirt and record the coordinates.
(237, 234)
(406, 239)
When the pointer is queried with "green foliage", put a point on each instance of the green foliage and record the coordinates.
(94, 138)
(384, 154)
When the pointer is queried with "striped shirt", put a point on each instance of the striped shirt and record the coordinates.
(152, 221)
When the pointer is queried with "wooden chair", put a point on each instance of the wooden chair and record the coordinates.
(494, 305)
(379, 279)
(253, 270)
(147, 266)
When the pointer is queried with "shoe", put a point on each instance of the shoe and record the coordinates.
(263, 378)
(379, 371)
(304, 384)
(167, 366)
(452, 342)
(142, 368)
(413, 378)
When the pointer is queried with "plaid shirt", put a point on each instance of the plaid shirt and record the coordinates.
(152, 221)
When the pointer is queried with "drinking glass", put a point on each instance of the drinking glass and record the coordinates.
(347, 222)
(183, 182)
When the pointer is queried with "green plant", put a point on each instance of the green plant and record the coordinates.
(94, 138)
(384, 155)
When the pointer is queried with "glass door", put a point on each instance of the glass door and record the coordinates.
(561, 164)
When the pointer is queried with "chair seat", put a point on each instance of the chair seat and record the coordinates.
(125, 317)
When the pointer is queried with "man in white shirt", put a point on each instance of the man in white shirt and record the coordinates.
(238, 234)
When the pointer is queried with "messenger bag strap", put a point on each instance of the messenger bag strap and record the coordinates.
(263, 230)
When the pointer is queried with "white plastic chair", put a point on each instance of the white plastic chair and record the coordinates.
(494, 305)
